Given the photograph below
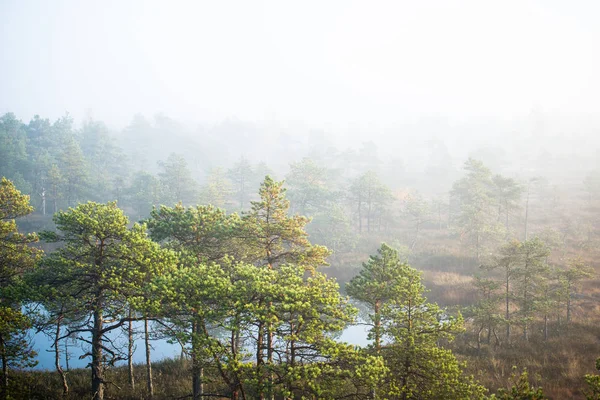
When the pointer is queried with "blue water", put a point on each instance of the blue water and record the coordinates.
(355, 334)
(42, 345)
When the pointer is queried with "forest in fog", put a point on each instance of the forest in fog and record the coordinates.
(472, 278)
(313, 200)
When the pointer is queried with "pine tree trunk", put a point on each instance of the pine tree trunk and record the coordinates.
(405, 379)
(130, 352)
(67, 354)
(506, 222)
(59, 369)
(270, 363)
(568, 304)
(377, 327)
(526, 213)
(414, 241)
(149, 381)
(369, 217)
(526, 304)
(259, 360)
(478, 240)
(239, 387)
(292, 359)
(197, 371)
(359, 214)
(97, 362)
(377, 311)
(269, 343)
(242, 192)
(507, 315)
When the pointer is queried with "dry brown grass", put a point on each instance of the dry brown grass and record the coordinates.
(557, 365)
(446, 278)
(172, 379)
(449, 288)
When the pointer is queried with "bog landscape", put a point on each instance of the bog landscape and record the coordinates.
(270, 200)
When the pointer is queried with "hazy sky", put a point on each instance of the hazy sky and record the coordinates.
(314, 61)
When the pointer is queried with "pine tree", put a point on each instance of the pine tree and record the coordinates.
(217, 190)
(507, 261)
(507, 193)
(473, 203)
(377, 283)
(485, 313)
(419, 368)
(100, 271)
(144, 193)
(73, 168)
(309, 187)
(531, 267)
(569, 281)
(272, 237)
(16, 258)
(418, 211)
(593, 383)
(202, 235)
(242, 176)
(177, 178)
(370, 198)
(521, 390)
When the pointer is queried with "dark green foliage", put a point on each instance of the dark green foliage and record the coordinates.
(145, 191)
(13, 155)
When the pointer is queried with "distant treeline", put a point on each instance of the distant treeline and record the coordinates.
(226, 259)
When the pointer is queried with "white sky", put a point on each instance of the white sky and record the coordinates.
(320, 62)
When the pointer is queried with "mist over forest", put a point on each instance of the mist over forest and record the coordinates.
(267, 200)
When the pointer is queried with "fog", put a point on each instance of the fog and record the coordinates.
(451, 130)
(334, 64)
(473, 74)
